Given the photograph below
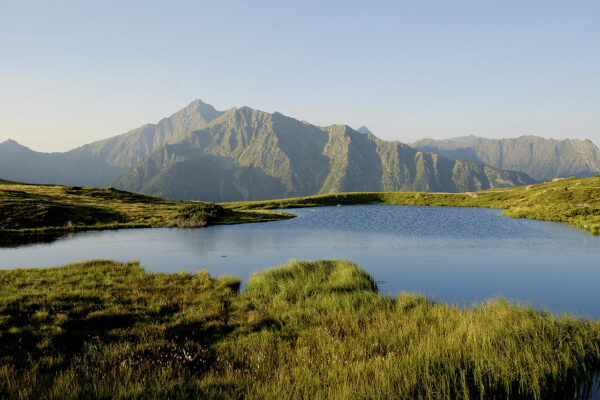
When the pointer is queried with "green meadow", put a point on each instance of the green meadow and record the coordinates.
(307, 330)
(31, 209)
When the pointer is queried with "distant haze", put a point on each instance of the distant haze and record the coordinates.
(76, 72)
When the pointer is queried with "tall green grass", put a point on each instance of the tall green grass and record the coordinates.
(315, 330)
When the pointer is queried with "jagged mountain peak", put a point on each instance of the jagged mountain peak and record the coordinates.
(198, 110)
(199, 103)
(247, 154)
(11, 144)
(242, 113)
(242, 153)
(365, 130)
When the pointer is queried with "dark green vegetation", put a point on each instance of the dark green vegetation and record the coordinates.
(573, 200)
(47, 208)
(541, 159)
(315, 330)
(198, 215)
(206, 211)
(242, 154)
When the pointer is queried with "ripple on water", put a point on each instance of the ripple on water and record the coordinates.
(457, 255)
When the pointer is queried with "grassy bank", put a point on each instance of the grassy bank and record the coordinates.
(573, 200)
(314, 330)
(47, 209)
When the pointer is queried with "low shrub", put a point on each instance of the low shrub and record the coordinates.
(197, 214)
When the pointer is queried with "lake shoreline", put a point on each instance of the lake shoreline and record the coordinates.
(455, 254)
(38, 208)
(101, 329)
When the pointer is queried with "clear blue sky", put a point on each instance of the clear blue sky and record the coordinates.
(75, 71)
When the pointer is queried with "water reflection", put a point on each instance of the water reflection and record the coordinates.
(24, 239)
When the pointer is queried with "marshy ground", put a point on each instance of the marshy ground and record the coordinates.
(101, 329)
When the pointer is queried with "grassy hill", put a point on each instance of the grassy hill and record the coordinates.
(317, 330)
(26, 208)
(101, 329)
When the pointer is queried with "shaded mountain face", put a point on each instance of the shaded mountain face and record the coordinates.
(98, 163)
(542, 159)
(250, 155)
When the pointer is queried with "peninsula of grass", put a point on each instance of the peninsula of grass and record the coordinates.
(317, 330)
(32, 209)
(42, 209)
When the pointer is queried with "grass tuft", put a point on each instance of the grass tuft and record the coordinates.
(300, 280)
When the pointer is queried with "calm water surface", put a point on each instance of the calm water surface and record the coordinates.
(457, 255)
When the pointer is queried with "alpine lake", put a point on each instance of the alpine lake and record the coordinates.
(450, 254)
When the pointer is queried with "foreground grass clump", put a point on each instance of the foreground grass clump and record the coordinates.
(318, 329)
(300, 281)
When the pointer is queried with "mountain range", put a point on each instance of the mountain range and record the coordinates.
(541, 159)
(245, 154)
(99, 163)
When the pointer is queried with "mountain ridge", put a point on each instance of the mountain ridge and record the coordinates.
(245, 154)
(364, 129)
(542, 159)
(258, 155)
(99, 162)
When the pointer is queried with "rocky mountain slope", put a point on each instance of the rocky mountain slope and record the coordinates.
(249, 155)
(98, 163)
(245, 154)
(542, 159)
